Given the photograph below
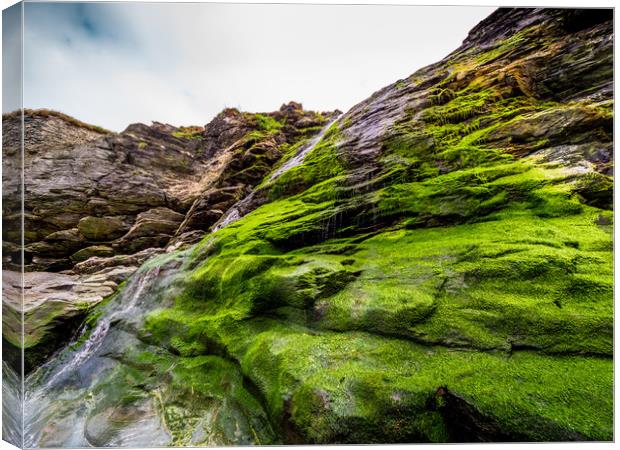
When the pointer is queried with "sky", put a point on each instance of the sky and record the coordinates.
(11, 56)
(113, 64)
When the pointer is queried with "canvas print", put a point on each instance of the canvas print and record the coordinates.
(234, 224)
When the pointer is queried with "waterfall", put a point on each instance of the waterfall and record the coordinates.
(238, 210)
(98, 334)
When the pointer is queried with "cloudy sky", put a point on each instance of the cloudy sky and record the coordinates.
(113, 64)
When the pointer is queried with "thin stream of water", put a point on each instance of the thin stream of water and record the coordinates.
(302, 152)
(98, 334)
(60, 398)
(236, 211)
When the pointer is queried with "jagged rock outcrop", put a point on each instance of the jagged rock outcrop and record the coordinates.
(85, 186)
(437, 267)
(250, 156)
(88, 192)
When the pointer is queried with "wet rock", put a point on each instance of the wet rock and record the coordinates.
(53, 306)
(584, 124)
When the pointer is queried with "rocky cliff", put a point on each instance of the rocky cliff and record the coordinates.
(98, 204)
(436, 265)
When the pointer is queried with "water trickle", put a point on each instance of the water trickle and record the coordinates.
(98, 334)
(239, 209)
(303, 151)
(11, 405)
(59, 403)
(233, 214)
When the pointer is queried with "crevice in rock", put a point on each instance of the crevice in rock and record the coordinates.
(465, 423)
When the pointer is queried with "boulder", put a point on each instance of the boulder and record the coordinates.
(93, 250)
(154, 222)
(103, 228)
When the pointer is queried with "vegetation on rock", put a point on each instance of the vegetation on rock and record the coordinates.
(437, 268)
(466, 260)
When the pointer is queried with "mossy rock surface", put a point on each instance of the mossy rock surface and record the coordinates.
(430, 275)
(438, 269)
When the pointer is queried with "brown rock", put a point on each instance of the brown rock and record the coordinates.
(93, 250)
(103, 228)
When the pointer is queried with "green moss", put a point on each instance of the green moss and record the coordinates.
(456, 265)
(596, 189)
(267, 123)
(401, 84)
(354, 387)
(500, 49)
(441, 96)
(460, 108)
(445, 287)
(321, 164)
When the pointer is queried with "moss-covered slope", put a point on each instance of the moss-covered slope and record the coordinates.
(438, 269)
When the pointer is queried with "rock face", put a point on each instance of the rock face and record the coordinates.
(92, 194)
(85, 186)
(437, 267)
(54, 306)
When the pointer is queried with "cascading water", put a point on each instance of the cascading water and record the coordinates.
(239, 209)
(99, 333)
(11, 405)
(61, 397)
(117, 385)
